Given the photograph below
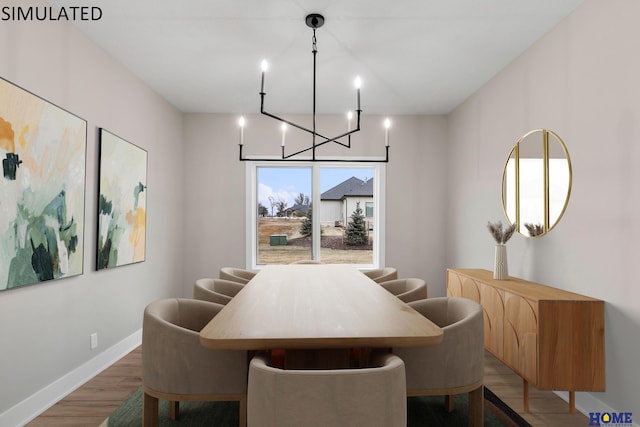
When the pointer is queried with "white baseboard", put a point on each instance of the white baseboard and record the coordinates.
(586, 402)
(25, 411)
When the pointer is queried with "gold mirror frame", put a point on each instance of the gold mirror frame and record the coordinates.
(512, 182)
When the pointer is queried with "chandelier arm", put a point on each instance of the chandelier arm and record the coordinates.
(290, 123)
(329, 160)
(312, 132)
(314, 146)
(297, 152)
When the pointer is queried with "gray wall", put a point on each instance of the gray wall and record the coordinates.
(215, 233)
(45, 328)
(581, 81)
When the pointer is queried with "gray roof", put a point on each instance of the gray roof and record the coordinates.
(301, 208)
(352, 187)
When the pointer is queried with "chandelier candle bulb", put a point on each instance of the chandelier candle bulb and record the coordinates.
(241, 123)
(284, 131)
(349, 118)
(358, 83)
(387, 125)
(264, 65)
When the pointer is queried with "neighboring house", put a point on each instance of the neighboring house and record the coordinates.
(338, 203)
(297, 210)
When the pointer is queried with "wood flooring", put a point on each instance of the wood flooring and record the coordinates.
(98, 398)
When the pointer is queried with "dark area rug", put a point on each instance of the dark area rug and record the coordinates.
(421, 411)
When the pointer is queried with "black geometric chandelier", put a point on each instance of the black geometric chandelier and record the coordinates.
(314, 21)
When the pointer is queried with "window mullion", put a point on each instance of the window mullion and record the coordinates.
(315, 225)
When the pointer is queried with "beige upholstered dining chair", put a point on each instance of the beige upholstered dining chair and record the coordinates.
(454, 366)
(216, 290)
(407, 290)
(176, 367)
(380, 275)
(367, 397)
(235, 274)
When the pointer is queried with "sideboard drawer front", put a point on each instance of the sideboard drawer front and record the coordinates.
(462, 286)
(454, 284)
(470, 289)
(492, 301)
(562, 362)
(520, 336)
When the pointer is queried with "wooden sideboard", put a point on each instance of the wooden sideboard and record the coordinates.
(553, 339)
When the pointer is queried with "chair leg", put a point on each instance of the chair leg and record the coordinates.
(174, 409)
(243, 412)
(449, 404)
(476, 407)
(149, 411)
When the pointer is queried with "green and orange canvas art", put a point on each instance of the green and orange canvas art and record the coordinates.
(42, 189)
(122, 217)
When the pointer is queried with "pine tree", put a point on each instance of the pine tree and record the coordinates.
(356, 232)
(306, 228)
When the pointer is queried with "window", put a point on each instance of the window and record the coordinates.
(315, 211)
(369, 209)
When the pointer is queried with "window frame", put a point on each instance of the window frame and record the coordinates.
(368, 209)
(251, 192)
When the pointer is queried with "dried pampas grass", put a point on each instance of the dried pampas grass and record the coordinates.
(501, 236)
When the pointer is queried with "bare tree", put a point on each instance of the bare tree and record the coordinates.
(302, 199)
(281, 207)
(272, 202)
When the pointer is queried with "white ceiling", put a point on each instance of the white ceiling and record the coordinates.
(414, 56)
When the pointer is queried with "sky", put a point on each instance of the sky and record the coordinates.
(287, 183)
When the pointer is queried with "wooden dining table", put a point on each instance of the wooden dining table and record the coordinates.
(317, 313)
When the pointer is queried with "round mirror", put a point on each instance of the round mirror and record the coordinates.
(536, 182)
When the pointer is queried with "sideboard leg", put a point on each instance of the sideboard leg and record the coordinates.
(525, 395)
(572, 401)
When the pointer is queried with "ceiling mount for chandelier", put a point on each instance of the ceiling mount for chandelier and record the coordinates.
(314, 21)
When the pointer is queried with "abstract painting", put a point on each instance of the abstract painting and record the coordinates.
(42, 187)
(122, 206)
